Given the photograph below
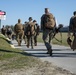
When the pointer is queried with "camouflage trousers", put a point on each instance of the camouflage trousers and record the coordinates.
(30, 40)
(35, 40)
(24, 37)
(73, 45)
(47, 38)
(19, 37)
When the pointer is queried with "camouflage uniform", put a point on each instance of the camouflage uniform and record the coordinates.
(30, 32)
(18, 28)
(3, 30)
(36, 32)
(72, 28)
(24, 28)
(9, 32)
(46, 32)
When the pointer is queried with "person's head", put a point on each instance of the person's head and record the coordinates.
(25, 22)
(74, 13)
(30, 18)
(46, 10)
(34, 21)
(19, 20)
(3, 25)
(8, 26)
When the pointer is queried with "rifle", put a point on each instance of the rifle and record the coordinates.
(56, 30)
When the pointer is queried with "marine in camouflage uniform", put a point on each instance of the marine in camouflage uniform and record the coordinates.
(24, 28)
(9, 32)
(46, 32)
(72, 28)
(3, 30)
(36, 32)
(30, 33)
(18, 29)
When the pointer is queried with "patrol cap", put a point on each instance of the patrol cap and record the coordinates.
(74, 12)
(30, 18)
(34, 21)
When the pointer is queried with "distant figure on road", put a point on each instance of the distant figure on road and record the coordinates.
(3, 30)
(9, 32)
(30, 31)
(47, 26)
(36, 32)
(72, 28)
(18, 29)
(24, 28)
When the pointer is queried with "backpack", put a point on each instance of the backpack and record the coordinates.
(36, 29)
(18, 27)
(30, 29)
(9, 31)
(49, 21)
(3, 30)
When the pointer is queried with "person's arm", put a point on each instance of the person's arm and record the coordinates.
(70, 27)
(15, 28)
(42, 23)
(70, 24)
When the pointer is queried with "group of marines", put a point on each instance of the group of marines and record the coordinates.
(30, 30)
(27, 31)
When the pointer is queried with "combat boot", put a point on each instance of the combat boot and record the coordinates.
(32, 47)
(19, 44)
(27, 46)
(35, 44)
(49, 52)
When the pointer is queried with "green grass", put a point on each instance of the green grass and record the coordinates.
(11, 58)
(58, 37)
(40, 38)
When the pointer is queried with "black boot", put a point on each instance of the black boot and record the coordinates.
(50, 52)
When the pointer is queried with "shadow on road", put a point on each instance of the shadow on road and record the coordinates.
(72, 55)
(56, 53)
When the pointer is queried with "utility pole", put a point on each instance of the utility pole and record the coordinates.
(0, 25)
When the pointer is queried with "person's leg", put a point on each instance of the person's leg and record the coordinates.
(74, 43)
(46, 41)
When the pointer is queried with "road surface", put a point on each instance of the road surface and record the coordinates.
(63, 56)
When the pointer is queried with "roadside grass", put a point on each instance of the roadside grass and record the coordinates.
(11, 58)
(16, 61)
(58, 40)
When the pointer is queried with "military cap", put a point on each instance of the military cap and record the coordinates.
(30, 18)
(34, 21)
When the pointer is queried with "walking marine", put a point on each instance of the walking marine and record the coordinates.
(29, 32)
(47, 25)
(18, 29)
(72, 28)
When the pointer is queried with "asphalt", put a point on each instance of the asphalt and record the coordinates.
(62, 56)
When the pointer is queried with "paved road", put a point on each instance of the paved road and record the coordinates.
(62, 56)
